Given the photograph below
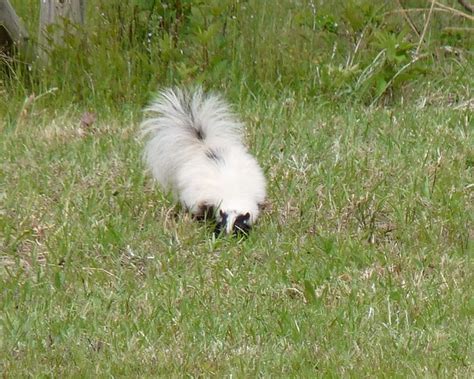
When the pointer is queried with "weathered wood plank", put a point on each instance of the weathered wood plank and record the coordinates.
(56, 12)
(12, 31)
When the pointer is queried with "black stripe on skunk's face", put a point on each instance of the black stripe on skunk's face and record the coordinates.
(241, 224)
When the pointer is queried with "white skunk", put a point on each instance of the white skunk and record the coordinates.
(196, 150)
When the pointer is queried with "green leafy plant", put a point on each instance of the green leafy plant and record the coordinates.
(356, 50)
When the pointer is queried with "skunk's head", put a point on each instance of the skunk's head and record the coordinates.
(233, 222)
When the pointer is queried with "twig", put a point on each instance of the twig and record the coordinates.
(414, 60)
(350, 59)
(435, 174)
(458, 29)
(453, 10)
(444, 9)
(369, 69)
(408, 19)
(89, 269)
(425, 28)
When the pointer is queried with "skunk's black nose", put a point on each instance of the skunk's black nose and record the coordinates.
(239, 229)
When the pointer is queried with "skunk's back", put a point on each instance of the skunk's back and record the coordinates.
(184, 124)
(194, 114)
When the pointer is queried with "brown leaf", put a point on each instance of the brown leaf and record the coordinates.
(87, 120)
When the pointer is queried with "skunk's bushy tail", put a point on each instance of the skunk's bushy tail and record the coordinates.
(183, 124)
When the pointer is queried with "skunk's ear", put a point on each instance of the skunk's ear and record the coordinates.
(223, 217)
(246, 216)
(204, 212)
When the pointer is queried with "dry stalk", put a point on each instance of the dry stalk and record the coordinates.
(425, 28)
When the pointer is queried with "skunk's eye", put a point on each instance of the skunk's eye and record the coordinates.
(243, 218)
(242, 224)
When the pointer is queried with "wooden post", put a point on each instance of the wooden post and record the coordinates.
(56, 12)
(12, 31)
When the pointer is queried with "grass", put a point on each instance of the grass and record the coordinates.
(362, 266)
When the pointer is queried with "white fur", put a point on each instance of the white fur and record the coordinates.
(179, 160)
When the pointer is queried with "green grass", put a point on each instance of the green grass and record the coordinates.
(359, 50)
(362, 266)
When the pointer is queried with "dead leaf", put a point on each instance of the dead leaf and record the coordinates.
(87, 119)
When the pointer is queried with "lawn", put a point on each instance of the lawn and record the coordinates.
(362, 264)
